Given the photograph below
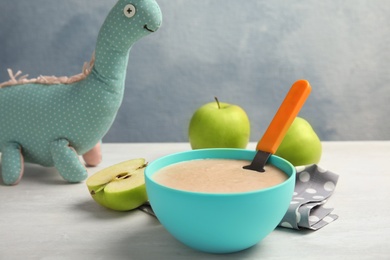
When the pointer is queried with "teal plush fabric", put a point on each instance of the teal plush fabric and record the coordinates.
(52, 124)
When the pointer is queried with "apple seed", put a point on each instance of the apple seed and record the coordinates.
(123, 175)
(118, 177)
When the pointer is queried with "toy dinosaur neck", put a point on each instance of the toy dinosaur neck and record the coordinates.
(111, 57)
(116, 37)
(110, 65)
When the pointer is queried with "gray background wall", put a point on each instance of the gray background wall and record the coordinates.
(245, 52)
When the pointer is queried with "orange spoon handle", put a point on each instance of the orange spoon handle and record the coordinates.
(284, 117)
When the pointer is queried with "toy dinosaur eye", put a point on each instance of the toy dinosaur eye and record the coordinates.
(129, 10)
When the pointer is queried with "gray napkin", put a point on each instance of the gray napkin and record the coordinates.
(313, 187)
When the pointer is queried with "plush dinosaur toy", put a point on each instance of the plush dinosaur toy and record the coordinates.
(51, 121)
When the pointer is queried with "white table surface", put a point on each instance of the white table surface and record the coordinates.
(44, 217)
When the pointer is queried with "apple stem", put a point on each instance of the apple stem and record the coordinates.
(93, 192)
(216, 100)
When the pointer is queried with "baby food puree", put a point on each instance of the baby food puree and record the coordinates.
(218, 176)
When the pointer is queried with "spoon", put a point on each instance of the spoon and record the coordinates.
(279, 125)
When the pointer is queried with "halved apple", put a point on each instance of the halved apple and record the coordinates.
(120, 186)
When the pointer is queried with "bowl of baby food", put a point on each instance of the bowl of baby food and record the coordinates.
(206, 200)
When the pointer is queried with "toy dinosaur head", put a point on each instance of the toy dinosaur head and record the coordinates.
(128, 21)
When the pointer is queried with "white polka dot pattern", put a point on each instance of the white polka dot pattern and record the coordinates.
(314, 186)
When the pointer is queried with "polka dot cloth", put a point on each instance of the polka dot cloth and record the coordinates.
(313, 188)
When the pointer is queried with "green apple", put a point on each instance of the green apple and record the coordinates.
(301, 145)
(121, 186)
(219, 125)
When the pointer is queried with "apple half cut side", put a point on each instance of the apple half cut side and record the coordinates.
(120, 186)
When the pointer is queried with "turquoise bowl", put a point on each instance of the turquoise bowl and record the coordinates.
(219, 222)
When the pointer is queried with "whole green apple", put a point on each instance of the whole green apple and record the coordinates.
(219, 125)
(121, 186)
(301, 145)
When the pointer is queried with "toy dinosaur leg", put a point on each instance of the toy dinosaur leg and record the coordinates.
(67, 161)
(94, 156)
(12, 163)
